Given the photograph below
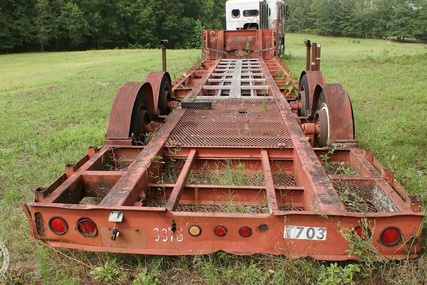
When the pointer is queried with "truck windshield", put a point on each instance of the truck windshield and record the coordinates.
(250, 13)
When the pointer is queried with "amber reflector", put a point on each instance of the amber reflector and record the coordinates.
(195, 231)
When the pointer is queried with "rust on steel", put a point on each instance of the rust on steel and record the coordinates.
(119, 122)
(163, 46)
(155, 80)
(341, 125)
(312, 57)
(236, 155)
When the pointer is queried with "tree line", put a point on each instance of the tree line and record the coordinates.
(398, 19)
(54, 25)
(28, 25)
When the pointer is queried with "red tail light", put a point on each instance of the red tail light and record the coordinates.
(245, 232)
(220, 231)
(363, 233)
(58, 225)
(390, 236)
(87, 227)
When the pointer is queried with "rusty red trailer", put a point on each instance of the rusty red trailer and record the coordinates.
(233, 156)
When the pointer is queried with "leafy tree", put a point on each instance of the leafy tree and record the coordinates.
(301, 17)
(17, 26)
(346, 18)
(74, 23)
(364, 19)
(106, 28)
(139, 19)
(420, 21)
(44, 23)
(7, 40)
(212, 14)
(326, 14)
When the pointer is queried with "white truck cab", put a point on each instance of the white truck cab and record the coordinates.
(249, 14)
(256, 14)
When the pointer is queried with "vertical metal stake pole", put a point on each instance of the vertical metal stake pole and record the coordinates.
(163, 45)
(307, 55)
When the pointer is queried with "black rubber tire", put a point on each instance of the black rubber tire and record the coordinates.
(305, 96)
(140, 117)
(321, 118)
(321, 100)
(164, 96)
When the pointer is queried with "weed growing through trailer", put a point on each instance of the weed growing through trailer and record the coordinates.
(149, 136)
(171, 171)
(290, 84)
(230, 204)
(362, 247)
(359, 246)
(341, 168)
(279, 74)
(156, 168)
(264, 102)
(353, 202)
(335, 168)
(325, 159)
(226, 172)
(115, 162)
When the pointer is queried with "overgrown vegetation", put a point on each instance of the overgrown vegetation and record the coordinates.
(53, 106)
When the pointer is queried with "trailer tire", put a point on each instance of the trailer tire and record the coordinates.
(304, 96)
(131, 113)
(141, 117)
(308, 82)
(162, 87)
(165, 95)
(333, 116)
(321, 121)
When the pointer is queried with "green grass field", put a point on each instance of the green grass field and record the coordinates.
(54, 105)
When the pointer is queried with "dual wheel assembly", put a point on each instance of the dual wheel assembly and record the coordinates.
(326, 110)
(136, 107)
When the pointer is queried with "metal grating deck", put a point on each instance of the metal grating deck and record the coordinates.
(232, 123)
(236, 78)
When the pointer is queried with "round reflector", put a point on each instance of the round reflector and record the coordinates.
(245, 231)
(390, 236)
(363, 233)
(195, 231)
(220, 231)
(58, 225)
(87, 227)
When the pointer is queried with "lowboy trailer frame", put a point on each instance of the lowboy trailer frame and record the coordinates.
(233, 156)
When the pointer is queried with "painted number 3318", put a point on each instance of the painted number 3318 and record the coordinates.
(167, 235)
